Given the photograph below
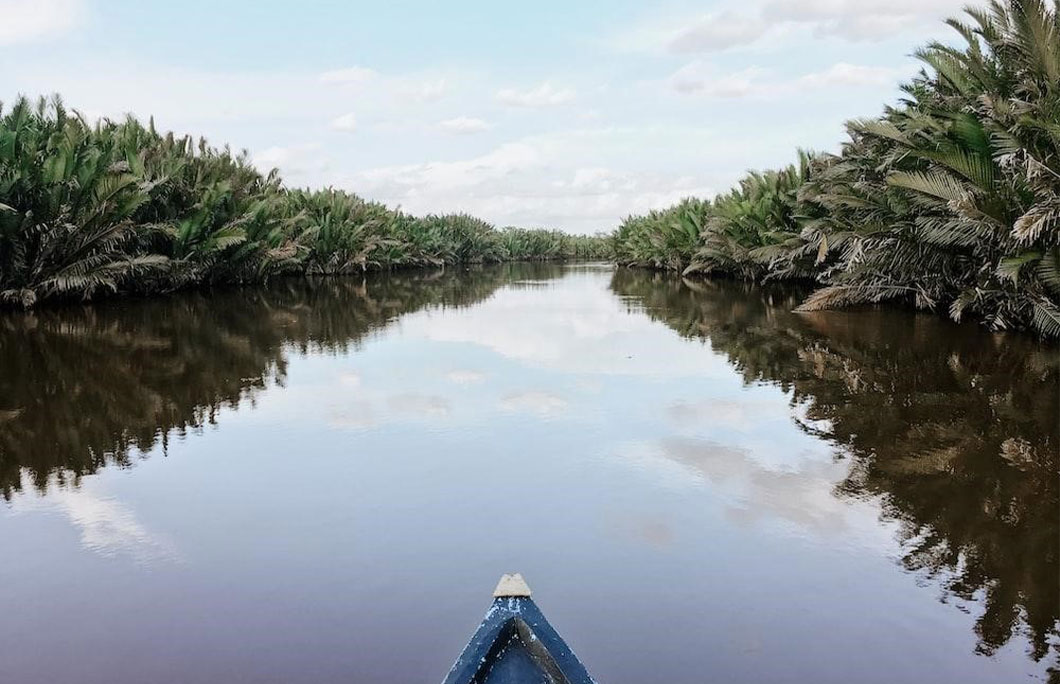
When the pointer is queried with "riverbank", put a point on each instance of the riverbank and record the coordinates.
(88, 209)
(949, 201)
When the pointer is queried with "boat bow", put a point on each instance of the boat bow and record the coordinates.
(515, 644)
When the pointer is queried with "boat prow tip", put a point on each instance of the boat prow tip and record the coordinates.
(512, 585)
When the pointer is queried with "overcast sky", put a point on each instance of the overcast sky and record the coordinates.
(567, 114)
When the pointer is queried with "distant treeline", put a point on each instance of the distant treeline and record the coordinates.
(91, 208)
(949, 201)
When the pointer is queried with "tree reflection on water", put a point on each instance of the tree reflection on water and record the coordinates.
(83, 387)
(954, 430)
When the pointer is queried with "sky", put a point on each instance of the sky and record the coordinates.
(557, 114)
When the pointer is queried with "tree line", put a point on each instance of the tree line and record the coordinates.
(950, 200)
(88, 208)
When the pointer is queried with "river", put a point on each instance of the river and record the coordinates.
(321, 481)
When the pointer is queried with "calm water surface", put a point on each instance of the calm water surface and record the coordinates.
(321, 482)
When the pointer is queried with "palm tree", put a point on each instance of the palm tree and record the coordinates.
(949, 201)
(954, 197)
(754, 230)
(67, 219)
(118, 206)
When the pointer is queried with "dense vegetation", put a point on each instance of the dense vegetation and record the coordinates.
(949, 201)
(120, 207)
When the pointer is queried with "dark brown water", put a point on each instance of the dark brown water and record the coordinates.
(320, 482)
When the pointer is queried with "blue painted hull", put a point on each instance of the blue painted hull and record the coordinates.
(515, 644)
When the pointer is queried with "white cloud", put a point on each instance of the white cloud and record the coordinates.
(352, 380)
(372, 409)
(419, 405)
(589, 333)
(541, 403)
(465, 377)
(844, 74)
(464, 125)
(350, 75)
(544, 180)
(718, 32)
(346, 122)
(653, 531)
(429, 91)
(108, 526)
(756, 23)
(701, 78)
(596, 177)
(356, 415)
(544, 95)
(293, 160)
(798, 491)
(505, 161)
(23, 21)
(862, 20)
(743, 414)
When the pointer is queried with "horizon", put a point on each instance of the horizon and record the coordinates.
(500, 112)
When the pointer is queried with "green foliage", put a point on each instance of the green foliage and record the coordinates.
(120, 207)
(949, 201)
(522, 244)
(661, 239)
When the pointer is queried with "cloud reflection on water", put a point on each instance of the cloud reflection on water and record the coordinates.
(589, 331)
(106, 525)
(799, 492)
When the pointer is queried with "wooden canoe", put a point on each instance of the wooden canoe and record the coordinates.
(515, 644)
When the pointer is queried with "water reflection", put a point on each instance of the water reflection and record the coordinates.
(106, 525)
(84, 387)
(431, 402)
(798, 494)
(955, 431)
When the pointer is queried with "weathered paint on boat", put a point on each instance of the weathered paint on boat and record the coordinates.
(515, 644)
